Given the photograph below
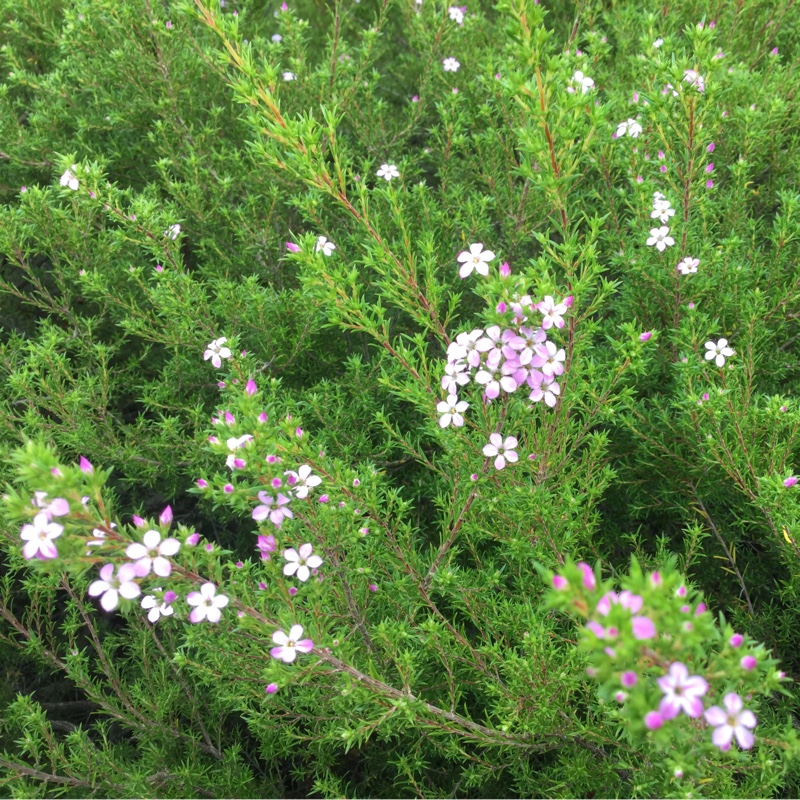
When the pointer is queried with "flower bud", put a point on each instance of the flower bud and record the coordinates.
(748, 662)
(86, 466)
(559, 582)
(505, 269)
(653, 720)
(271, 688)
(292, 247)
(589, 581)
(645, 337)
(251, 388)
(193, 539)
(790, 481)
(166, 516)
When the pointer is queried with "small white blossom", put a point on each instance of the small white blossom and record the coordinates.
(693, 78)
(289, 76)
(301, 562)
(451, 411)
(657, 43)
(174, 231)
(324, 246)
(388, 171)
(69, 179)
(688, 265)
(630, 126)
(216, 352)
(451, 65)
(456, 14)
(207, 604)
(660, 238)
(580, 81)
(718, 351)
(475, 258)
(302, 481)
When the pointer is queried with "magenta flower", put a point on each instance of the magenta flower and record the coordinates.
(682, 692)
(111, 586)
(39, 536)
(748, 663)
(790, 481)
(272, 507)
(736, 640)
(559, 582)
(643, 628)
(552, 312)
(653, 720)
(292, 247)
(734, 720)
(645, 337)
(301, 563)
(207, 604)
(505, 270)
(710, 148)
(86, 466)
(302, 481)
(271, 688)
(629, 679)
(151, 553)
(589, 581)
(251, 387)
(289, 646)
(503, 450)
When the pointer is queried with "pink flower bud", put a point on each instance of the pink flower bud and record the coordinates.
(474, 476)
(736, 640)
(364, 531)
(292, 247)
(271, 688)
(568, 300)
(711, 147)
(170, 596)
(621, 697)
(298, 432)
(251, 388)
(685, 609)
(239, 564)
(663, 168)
(86, 466)
(57, 473)
(661, 155)
(227, 488)
(192, 539)
(169, 24)
(559, 582)
(139, 522)
(373, 587)
(356, 482)
(501, 307)
(292, 590)
(213, 440)
(262, 585)
(166, 516)
(201, 483)
(655, 579)
(705, 395)
(284, 7)
(653, 720)
(262, 417)
(681, 591)
(323, 498)
(774, 51)
(790, 481)
(748, 663)
(643, 628)
(505, 269)
(710, 167)
(709, 184)
(701, 607)
(639, 179)
(229, 418)
(589, 581)
(628, 679)
(646, 336)
(159, 268)
(610, 652)
(691, 306)
(415, 98)
(221, 384)
(209, 548)
(784, 409)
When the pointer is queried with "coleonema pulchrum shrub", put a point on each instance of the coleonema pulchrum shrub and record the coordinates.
(399, 399)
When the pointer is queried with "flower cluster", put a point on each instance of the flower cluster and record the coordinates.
(645, 644)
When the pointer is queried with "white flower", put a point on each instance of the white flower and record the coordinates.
(504, 450)
(324, 246)
(660, 238)
(456, 14)
(289, 76)
(450, 65)
(234, 444)
(388, 171)
(662, 211)
(39, 537)
(454, 376)
(216, 352)
(276, 37)
(207, 603)
(69, 179)
(302, 481)
(174, 231)
(451, 411)
(151, 553)
(630, 126)
(657, 43)
(688, 265)
(476, 258)
(301, 563)
(155, 609)
(719, 352)
(289, 646)
(580, 81)
(112, 586)
(693, 78)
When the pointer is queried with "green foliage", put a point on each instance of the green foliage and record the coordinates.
(438, 670)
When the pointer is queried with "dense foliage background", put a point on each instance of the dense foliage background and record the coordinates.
(175, 114)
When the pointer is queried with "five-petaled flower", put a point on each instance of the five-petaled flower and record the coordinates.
(451, 65)
(301, 562)
(733, 720)
(302, 481)
(629, 126)
(324, 246)
(272, 507)
(503, 450)
(451, 411)
(112, 586)
(155, 609)
(151, 554)
(660, 238)
(290, 645)
(475, 258)
(289, 76)
(69, 179)
(693, 78)
(388, 171)
(216, 351)
(174, 231)
(580, 81)
(456, 14)
(39, 536)
(718, 351)
(207, 604)
(682, 692)
(552, 312)
(688, 265)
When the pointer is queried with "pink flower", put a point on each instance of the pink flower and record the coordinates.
(628, 679)
(559, 582)
(552, 312)
(202, 483)
(503, 450)
(589, 581)
(271, 688)
(748, 663)
(156, 610)
(151, 553)
(505, 270)
(736, 640)
(111, 586)
(475, 258)
(266, 545)
(277, 514)
(711, 147)
(192, 539)
(292, 247)
(251, 387)
(86, 466)
(39, 536)
(709, 184)
(734, 720)
(710, 167)
(289, 646)
(653, 720)
(165, 518)
(643, 628)
(682, 692)
(790, 481)
(207, 604)
(544, 388)
(688, 265)
(301, 563)
(645, 337)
